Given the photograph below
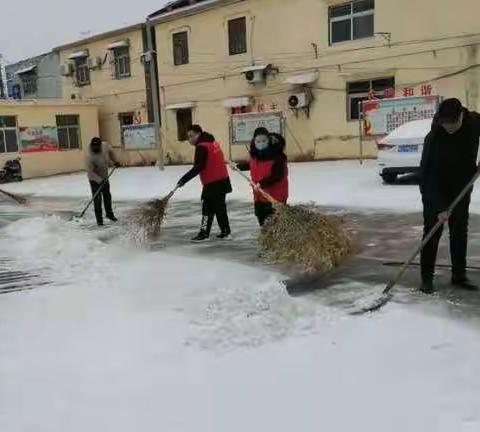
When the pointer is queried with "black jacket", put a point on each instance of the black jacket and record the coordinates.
(220, 187)
(275, 152)
(449, 161)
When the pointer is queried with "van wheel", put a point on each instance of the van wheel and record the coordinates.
(389, 178)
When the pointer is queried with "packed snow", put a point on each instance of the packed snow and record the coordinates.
(335, 184)
(126, 339)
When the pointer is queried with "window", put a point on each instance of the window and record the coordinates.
(29, 83)
(237, 36)
(360, 90)
(8, 134)
(82, 71)
(68, 130)
(16, 91)
(184, 122)
(121, 60)
(180, 48)
(126, 119)
(351, 21)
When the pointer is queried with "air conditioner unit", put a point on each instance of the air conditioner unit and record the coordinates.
(255, 74)
(67, 69)
(94, 63)
(299, 100)
(75, 95)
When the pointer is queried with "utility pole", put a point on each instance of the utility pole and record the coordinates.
(3, 81)
(151, 57)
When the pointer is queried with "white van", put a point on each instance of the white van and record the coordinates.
(400, 152)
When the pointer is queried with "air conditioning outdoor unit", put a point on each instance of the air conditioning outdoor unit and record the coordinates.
(255, 74)
(299, 100)
(67, 69)
(94, 63)
(75, 96)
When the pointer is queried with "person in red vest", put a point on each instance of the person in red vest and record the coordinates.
(269, 170)
(209, 163)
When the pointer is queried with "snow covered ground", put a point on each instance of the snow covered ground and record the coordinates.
(339, 184)
(127, 339)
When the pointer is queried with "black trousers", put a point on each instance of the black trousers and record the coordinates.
(215, 205)
(263, 210)
(104, 196)
(458, 230)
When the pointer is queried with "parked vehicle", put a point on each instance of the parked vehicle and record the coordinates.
(11, 172)
(400, 152)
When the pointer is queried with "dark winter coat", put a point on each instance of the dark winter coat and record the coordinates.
(449, 161)
(220, 187)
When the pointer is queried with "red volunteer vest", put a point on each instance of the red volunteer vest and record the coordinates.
(215, 169)
(261, 169)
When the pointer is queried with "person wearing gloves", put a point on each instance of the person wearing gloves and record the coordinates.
(98, 159)
(268, 170)
(209, 164)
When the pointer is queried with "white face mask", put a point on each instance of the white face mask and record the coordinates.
(261, 142)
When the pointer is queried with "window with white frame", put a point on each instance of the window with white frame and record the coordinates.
(359, 91)
(351, 21)
(8, 134)
(68, 130)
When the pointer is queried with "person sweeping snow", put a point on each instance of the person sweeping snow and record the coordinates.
(449, 162)
(209, 164)
(97, 160)
(269, 170)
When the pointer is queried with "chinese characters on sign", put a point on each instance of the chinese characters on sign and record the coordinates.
(381, 116)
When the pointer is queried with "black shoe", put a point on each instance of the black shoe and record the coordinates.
(201, 236)
(224, 235)
(427, 287)
(100, 223)
(464, 283)
(112, 218)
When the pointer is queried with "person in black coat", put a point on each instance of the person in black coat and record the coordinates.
(209, 164)
(449, 162)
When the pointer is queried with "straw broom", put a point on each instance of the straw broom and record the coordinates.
(18, 198)
(302, 236)
(149, 217)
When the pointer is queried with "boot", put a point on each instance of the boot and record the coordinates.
(112, 218)
(462, 282)
(427, 286)
(201, 236)
(225, 234)
(205, 228)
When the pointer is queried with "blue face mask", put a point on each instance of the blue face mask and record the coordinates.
(261, 143)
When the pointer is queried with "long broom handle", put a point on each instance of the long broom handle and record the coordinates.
(97, 193)
(429, 236)
(256, 187)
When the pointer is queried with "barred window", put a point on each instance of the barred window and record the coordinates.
(29, 83)
(8, 134)
(82, 71)
(180, 48)
(121, 60)
(68, 130)
(237, 36)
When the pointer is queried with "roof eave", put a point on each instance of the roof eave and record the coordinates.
(188, 11)
(99, 37)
